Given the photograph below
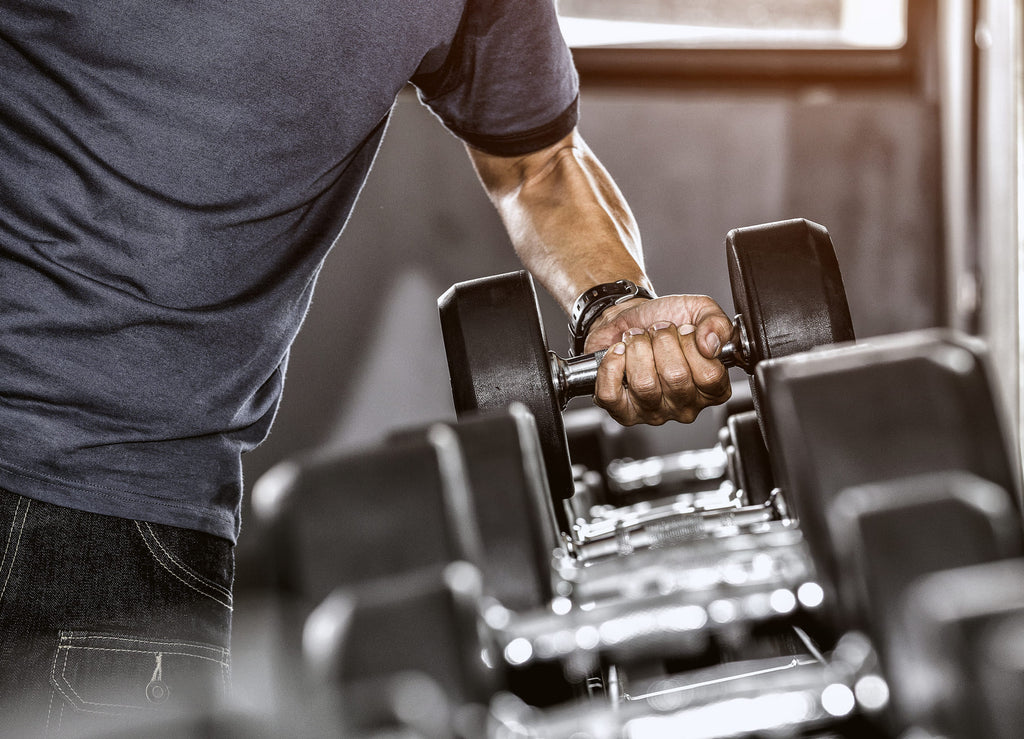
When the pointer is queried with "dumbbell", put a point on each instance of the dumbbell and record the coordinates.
(889, 535)
(882, 409)
(414, 502)
(405, 650)
(959, 667)
(891, 532)
(786, 286)
(612, 476)
(749, 461)
(511, 503)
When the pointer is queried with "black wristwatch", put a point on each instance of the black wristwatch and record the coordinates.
(593, 302)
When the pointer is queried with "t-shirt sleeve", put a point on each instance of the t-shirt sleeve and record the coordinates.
(508, 85)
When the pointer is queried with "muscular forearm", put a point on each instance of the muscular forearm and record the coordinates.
(568, 222)
(572, 229)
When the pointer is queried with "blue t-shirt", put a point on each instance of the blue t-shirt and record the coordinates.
(172, 175)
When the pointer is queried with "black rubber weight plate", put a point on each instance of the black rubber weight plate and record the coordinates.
(787, 287)
(497, 354)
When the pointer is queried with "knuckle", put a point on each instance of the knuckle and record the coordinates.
(606, 397)
(710, 307)
(646, 405)
(645, 386)
(710, 375)
(666, 336)
(677, 377)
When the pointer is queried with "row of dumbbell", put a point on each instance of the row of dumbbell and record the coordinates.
(787, 287)
(887, 491)
(454, 493)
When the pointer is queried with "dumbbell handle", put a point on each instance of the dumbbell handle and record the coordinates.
(577, 376)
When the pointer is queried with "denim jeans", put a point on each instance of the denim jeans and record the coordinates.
(105, 621)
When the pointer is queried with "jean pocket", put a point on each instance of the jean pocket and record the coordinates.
(176, 551)
(106, 675)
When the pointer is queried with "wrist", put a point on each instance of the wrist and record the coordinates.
(608, 315)
(592, 304)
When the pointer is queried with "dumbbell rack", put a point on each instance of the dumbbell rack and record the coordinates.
(816, 586)
(728, 569)
(650, 582)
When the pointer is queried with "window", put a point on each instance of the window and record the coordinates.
(735, 24)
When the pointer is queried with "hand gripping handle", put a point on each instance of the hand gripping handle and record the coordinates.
(577, 376)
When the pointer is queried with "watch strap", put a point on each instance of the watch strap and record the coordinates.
(593, 302)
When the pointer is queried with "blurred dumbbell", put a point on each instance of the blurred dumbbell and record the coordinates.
(334, 518)
(405, 653)
(892, 532)
(883, 409)
(750, 464)
(786, 286)
(959, 664)
(917, 481)
(511, 505)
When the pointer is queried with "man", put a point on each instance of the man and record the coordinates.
(173, 176)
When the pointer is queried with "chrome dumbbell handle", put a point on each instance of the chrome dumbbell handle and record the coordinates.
(738, 351)
(576, 376)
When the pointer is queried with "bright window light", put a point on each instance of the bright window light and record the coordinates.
(741, 24)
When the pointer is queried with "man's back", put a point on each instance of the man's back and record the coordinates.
(174, 174)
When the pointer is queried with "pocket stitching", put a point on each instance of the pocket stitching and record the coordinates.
(17, 544)
(62, 682)
(170, 558)
(72, 641)
(49, 709)
(68, 638)
(185, 568)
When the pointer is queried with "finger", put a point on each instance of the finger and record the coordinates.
(609, 390)
(673, 369)
(710, 377)
(643, 384)
(713, 329)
